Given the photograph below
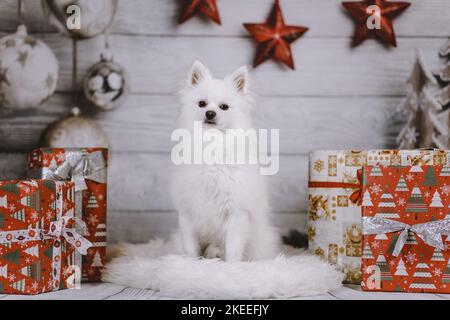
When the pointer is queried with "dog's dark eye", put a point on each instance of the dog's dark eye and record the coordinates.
(224, 106)
(202, 104)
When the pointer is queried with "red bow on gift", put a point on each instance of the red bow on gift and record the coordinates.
(355, 197)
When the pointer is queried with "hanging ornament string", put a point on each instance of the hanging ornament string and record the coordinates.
(106, 84)
(74, 72)
(106, 37)
(21, 55)
(20, 12)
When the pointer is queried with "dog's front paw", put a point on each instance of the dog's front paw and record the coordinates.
(214, 252)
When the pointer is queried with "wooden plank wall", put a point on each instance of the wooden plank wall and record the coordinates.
(338, 98)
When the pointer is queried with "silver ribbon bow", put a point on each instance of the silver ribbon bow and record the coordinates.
(79, 166)
(430, 232)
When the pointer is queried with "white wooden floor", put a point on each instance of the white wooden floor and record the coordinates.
(108, 291)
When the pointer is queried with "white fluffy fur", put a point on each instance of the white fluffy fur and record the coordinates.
(223, 213)
(151, 266)
(223, 209)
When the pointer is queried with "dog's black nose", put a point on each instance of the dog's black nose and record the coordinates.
(210, 115)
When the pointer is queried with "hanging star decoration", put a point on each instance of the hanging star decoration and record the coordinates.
(206, 8)
(274, 38)
(374, 18)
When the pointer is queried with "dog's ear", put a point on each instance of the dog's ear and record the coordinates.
(198, 73)
(239, 79)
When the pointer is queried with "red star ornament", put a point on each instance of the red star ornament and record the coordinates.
(207, 8)
(366, 13)
(274, 38)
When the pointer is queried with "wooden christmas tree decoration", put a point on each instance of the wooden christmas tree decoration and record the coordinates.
(441, 121)
(421, 81)
(427, 106)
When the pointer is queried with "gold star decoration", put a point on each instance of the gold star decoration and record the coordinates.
(388, 11)
(22, 58)
(274, 38)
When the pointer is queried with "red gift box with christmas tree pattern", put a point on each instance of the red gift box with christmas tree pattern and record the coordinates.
(40, 237)
(87, 168)
(406, 228)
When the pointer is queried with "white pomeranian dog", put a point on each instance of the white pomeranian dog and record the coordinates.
(223, 208)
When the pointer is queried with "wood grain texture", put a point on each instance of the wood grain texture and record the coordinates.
(338, 98)
(325, 18)
(325, 66)
(140, 227)
(137, 294)
(108, 291)
(139, 182)
(89, 291)
(139, 207)
(354, 292)
(145, 123)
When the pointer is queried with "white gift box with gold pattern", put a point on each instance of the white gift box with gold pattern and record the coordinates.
(334, 204)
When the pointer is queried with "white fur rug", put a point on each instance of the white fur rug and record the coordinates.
(152, 266)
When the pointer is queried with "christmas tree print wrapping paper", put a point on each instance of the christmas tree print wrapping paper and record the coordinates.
(406, 229)
(334, 202)
(40, 237)
(87, 167)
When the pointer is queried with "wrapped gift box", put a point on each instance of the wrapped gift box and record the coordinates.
(40, 245)
(406, 229)
(334, 222)
(87, 168)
